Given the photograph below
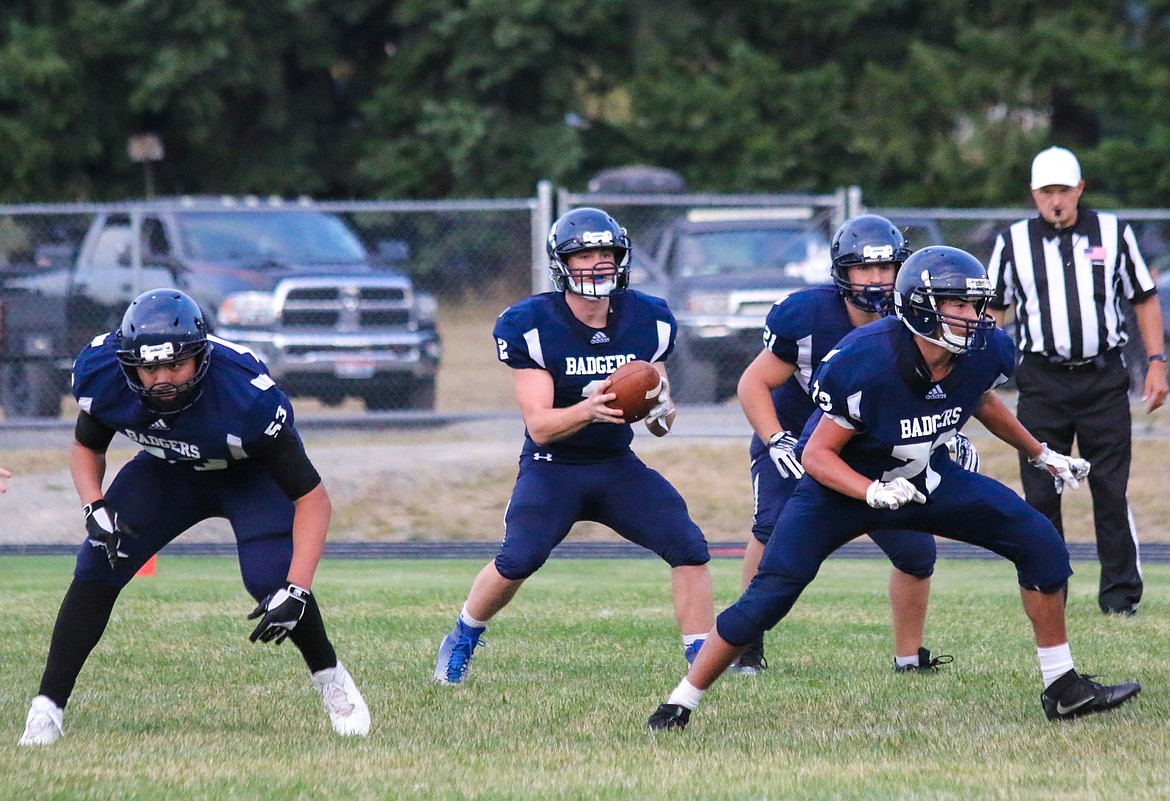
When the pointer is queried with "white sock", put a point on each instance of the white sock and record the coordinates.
(689, 639)
(468, 620)
(903, 661)
(686, 695)
(1055, 662)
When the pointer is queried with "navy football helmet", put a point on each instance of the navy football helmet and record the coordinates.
(933, 274)
(164, 326)
(588, 229)
(868, 239)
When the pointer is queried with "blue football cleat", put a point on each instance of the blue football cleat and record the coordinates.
(455, 653)
(692, 651)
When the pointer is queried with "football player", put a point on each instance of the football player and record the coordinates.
(890, 396)
(866, 253)
(217, 440)
(576, 463)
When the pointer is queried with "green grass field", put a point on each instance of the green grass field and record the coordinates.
(176, 704)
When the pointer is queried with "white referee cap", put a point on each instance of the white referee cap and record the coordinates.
(1055, 167)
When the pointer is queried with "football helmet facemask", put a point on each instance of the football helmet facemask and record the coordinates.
(868, 239)
(164, 326)
(932, 275)
(589, 229)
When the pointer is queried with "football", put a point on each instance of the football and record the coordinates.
(636, 385)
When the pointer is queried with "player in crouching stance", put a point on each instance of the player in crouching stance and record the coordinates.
(218, 441)
(576, 463)
(774, 392)
(890, 397)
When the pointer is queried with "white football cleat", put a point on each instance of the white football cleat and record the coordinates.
(44, 722)
(347, 709)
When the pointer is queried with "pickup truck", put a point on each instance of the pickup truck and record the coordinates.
(329, 315)
(722, 269)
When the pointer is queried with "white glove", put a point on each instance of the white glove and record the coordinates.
(1064, 469)
(963, 453)
(664, 406)
(782, 450)
(892, 494)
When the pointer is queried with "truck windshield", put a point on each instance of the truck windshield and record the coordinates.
(300, 237)
(798, 254)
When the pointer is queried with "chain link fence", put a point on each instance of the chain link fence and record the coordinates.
(390, 305)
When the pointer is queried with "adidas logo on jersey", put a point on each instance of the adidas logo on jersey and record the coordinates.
(936, 393)
(160, 425)
(599, 338)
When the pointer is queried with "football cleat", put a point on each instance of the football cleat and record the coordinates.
(1074, 695)
(43, 725)
(926, 663)
(668, 717)
(692, 650)
(752, 660)
(455, 653)
(347, 709)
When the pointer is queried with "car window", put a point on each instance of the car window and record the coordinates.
(112, 248)
(798, 254)
(293, 236)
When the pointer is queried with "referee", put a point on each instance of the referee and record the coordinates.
(1065, 271)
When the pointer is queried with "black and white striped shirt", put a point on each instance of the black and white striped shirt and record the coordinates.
(1067, 285)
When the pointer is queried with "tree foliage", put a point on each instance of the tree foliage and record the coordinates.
(919, 103)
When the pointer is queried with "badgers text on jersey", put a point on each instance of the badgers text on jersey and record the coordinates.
(929, 424)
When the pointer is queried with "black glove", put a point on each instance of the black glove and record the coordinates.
(101, 524)
(282, 611)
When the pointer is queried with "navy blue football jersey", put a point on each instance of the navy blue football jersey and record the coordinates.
(541, 332)
(902, 418)
(800, 330)
(238, 415)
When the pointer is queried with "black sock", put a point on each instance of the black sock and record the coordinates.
(81, 621)
(310, 637)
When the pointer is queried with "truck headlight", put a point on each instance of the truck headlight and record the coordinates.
(247, 309)
(426, 307)
(709, 303)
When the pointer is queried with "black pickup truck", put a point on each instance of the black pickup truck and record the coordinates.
(331, 316)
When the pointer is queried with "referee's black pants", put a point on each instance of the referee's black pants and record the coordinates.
(1088, 404)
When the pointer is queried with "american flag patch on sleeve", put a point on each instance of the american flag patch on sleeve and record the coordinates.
(1095, 253)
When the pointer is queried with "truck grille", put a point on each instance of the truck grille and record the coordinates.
(344, 307)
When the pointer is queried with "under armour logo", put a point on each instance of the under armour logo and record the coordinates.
(936, 393)
(542, 457)
(159, 425)
(599, 338)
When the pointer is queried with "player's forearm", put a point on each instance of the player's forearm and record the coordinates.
(756, 401)
(88, 469)
(831, 471)
(546, 426)
(310, 527)
(999, 420)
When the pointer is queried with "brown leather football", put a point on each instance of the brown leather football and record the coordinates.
(636, 385)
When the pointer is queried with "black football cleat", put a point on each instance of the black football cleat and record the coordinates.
(926, 663)
(668, 717)
(752, 660)
(1074, 695)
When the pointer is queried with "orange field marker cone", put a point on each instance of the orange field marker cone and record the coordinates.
(148, 568)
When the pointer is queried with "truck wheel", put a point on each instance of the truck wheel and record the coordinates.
(30, 390)
(691, 380)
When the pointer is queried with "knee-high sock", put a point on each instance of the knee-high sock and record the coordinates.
(81, 621)
(309, 636)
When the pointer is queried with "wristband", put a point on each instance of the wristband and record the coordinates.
(300, 593)
(1157, 357)
(774, 440)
